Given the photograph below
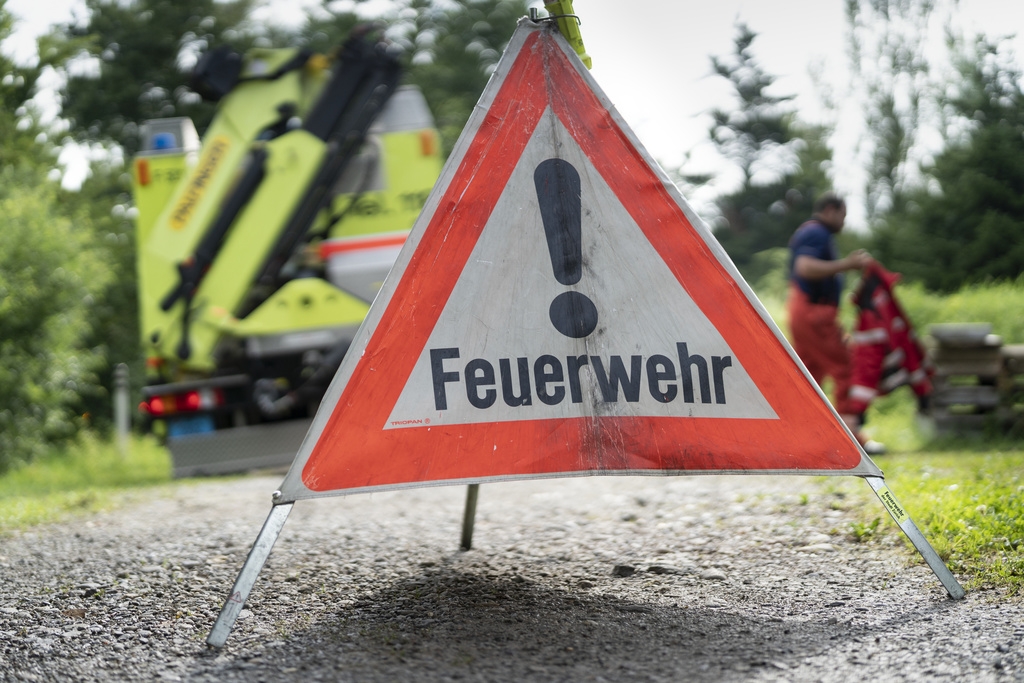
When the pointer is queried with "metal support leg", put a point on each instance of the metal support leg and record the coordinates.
(472, 491)
(247, 577)
(900, 516)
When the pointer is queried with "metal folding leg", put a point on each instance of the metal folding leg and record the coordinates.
(901, 518)
(247, 577)
(469, 517)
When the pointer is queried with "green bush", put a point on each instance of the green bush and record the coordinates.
(1001, 304)
(49, 276)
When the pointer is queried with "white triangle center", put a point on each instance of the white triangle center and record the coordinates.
(495, 355)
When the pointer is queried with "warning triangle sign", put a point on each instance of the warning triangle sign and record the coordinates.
(559, 310)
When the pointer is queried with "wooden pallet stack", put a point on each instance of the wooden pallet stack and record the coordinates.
(969, 372)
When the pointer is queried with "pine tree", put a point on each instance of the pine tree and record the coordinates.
(967, 227)
(781, 161)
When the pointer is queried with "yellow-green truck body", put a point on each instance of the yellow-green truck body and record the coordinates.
(251, 284)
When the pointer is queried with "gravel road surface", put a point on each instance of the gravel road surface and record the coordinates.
(591, 579)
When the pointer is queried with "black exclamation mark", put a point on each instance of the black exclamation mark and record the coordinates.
(558, 193)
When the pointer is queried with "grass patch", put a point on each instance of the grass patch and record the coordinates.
(969, 505)
(965, 493)
(92, 475)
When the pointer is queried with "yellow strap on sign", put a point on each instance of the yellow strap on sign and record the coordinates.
(568, 26)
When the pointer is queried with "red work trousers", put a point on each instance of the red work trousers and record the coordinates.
(818, 340)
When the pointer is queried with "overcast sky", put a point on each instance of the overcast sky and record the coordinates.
(652, 59)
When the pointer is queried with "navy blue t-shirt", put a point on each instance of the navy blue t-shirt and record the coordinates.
(815, 240)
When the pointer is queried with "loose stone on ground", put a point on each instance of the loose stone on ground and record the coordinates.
(615, 579)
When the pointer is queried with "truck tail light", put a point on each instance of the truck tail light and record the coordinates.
(152, 406)
(185, 402)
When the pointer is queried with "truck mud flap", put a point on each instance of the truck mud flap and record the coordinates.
(240, 449)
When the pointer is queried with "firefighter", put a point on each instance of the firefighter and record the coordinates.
(816, 283)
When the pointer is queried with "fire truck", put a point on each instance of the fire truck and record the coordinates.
(261, 246)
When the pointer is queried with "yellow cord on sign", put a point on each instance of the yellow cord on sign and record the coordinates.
(569, 26)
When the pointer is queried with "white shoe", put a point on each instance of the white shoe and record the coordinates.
(872, 447)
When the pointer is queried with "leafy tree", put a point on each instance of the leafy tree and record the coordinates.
(19, 127)
(46, 281)
(782, 161)
(894, 80)
(130, 61)
(967, 227)
(452, 48)
(101, 209)
(753, 136)
(323, 31)
(49, 278)
(455, 48)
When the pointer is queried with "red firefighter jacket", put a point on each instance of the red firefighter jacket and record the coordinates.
(884, 350)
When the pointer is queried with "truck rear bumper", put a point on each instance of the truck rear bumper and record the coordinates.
(239, 449)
